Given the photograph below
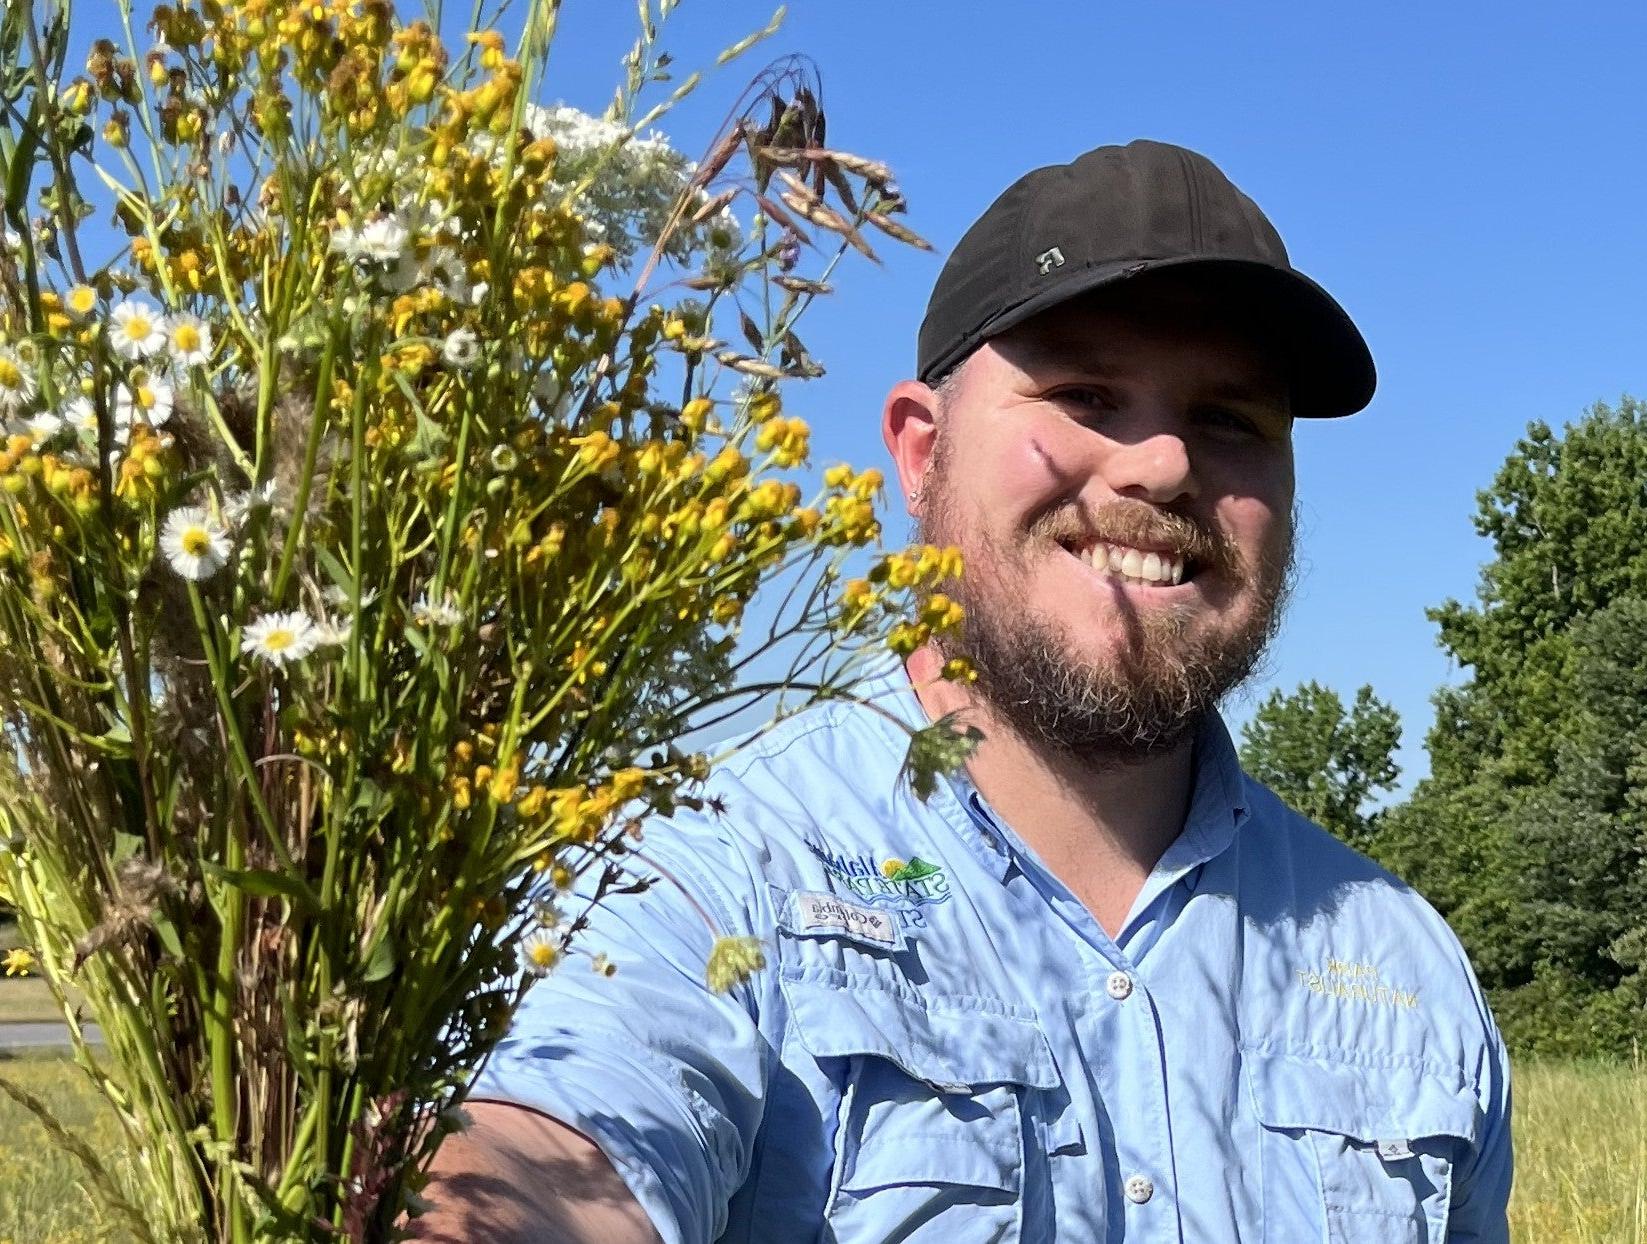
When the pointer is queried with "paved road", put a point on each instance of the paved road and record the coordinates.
(39, 1036)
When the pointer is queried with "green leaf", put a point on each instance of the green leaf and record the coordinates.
(381, 962)
(937, 749)
(265, 883)
(167, 932)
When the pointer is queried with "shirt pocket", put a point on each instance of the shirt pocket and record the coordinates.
(939, 1095)
(1367, 1151)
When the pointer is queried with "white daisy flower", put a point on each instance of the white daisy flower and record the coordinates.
(280, 638)
(239, 506)
(148, 399)
(81, 415)
(427, 613)
(382, 240)
(80, 301)
(139, 330)
(431, 219)
(346, 241)
(190, 338)
(17, 386)
(461, 348)
(440, 266)
(44, 426)
(195, 546)
(338, 597)
(330, 634)
(539, 953)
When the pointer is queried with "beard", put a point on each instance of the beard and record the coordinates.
(1156, 688)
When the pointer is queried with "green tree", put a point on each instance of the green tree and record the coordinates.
(1529, 832)
(1322, 760)
(1567, 518)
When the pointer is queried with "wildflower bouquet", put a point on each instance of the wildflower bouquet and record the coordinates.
(374, 518)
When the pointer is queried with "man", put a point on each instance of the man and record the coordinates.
(1101, 986)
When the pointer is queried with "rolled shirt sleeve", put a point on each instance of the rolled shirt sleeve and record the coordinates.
(666, 1077)
(1479, 1211)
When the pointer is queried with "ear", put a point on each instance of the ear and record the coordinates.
(909, 426)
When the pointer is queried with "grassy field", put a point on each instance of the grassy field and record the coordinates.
(22, 998)
(1581, 1157)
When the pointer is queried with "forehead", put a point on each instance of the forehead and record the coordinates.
(1192, 328)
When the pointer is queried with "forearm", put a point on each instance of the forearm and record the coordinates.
(518, 1177)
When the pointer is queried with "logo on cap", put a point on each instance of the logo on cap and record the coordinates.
(1046, 261)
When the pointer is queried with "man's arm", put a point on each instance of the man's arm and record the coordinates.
(515, 1176)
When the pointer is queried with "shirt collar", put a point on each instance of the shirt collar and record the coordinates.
(1218, 803)
(1218, 807)
(954, 799)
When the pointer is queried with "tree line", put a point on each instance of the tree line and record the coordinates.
(1530, 832)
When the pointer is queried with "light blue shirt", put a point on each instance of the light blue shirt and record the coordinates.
(1283, 1044)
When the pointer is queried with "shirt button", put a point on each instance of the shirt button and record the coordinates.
(1119, 986)
(1139, 1189)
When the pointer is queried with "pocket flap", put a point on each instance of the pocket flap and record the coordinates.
(1367, 1104)
(953, 1042)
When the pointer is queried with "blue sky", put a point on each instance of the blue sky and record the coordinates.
(1467, 179)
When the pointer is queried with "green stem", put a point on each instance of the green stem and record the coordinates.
(305, 480)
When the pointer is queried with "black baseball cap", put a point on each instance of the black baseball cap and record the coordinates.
(1116, 214)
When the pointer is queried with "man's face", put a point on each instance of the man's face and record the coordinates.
(1119, 476)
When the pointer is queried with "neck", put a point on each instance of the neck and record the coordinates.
(1100, 827)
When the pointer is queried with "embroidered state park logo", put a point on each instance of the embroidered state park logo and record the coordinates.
(907, 886)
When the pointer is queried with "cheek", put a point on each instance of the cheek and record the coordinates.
(1001, 481)
(1254, 498)
(1260, 527)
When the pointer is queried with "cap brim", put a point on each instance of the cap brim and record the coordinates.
(1332, 369)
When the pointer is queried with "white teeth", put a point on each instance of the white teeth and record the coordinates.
(1156, 568)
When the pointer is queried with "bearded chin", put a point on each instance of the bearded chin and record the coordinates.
(1138, 703)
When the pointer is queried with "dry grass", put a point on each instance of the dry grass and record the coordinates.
(41, 1198)
(1581, 1156)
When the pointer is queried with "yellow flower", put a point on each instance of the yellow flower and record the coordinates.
(733, 960)
(891, 867)
(19, 962)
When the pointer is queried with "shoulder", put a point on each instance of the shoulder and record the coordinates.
(1357, 940)
(777, 809)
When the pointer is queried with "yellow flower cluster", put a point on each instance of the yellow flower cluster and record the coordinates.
(849, 514)
(868, 603)
(786, 440)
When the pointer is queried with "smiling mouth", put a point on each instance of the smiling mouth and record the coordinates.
(1145, 567)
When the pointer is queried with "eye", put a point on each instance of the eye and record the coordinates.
(1228, 422)
(1084, 397)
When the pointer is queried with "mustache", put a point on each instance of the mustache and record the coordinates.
(1137, 523)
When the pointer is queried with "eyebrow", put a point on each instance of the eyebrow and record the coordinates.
(1068, 356)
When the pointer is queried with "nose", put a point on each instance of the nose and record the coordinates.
(1154, 468)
